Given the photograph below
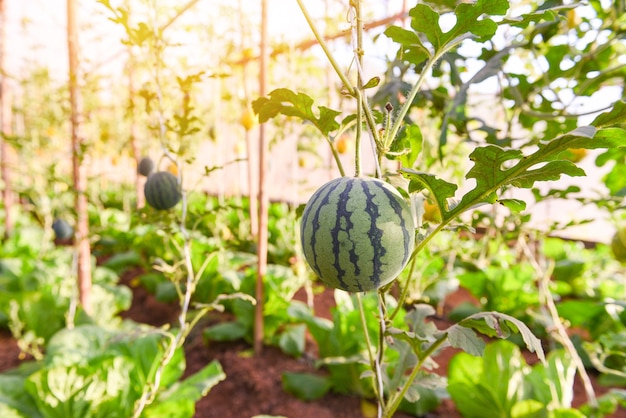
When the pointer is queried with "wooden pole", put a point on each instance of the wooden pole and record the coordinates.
(250, 144)
(263, 196)
(5, 127)
(132, 119)
(79, 176)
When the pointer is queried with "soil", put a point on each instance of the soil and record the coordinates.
(253, 383)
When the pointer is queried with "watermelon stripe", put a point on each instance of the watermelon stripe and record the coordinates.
(166, 192)
(375, 234)
(316, 221)
(343, 215)
(407, 239)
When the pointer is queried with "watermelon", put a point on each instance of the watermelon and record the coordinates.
(162, 190)
(618, 245)
(62, 229)
(145, 166)
(357, 233)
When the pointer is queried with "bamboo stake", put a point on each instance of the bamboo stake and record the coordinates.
(79, 176)
(263, 197)
(133, 129)
(252, 195)
(6, 122)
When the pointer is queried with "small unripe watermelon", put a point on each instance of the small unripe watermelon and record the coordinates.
(162, 190)
(618, 245)
(62, 229)
(145, 166)
(357, 233)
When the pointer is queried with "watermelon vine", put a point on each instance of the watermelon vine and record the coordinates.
(341, 235)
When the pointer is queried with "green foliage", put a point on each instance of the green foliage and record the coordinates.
(508, 289)
(307, 387)
(36, 289)
(521, 391)
(425, 21)
(288, 103)
(500, 162)
(341, 342)
(607, 354)
(93, 371)
(547, 59)
(280, 328)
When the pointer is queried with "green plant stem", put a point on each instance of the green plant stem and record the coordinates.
(320, 39)
(370, 349)
(177, 340)
(359, 132)
(405, 289)
(416, 87)
(561, 335)
(396, 398)
(369, 117)
(333, 149)
(559, 331)
(382, 331)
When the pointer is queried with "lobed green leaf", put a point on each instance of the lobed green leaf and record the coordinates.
(496, 324)
(286, 102)
(440, 189)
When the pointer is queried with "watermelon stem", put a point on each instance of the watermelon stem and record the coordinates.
(359, 131)
(351, 90)
(415, 89)
(382, 312)
(405, 289)
(396, 398)
(374, 364)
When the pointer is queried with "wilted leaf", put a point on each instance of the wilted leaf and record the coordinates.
(496, 324)
(465, 339)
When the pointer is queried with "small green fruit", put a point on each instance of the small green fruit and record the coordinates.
(62, 229)
(357, 233)
(618, 245)
(162, 190)
(145, 166)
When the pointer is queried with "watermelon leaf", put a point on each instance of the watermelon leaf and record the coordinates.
(440, 189)
(305, 386)
(524, 171)
(179, 400)
(412, 48)
(286, 102)
(496, 324)
(515, 205)
(613, 117)
(469, 19)
(408, 146)
(466, 339)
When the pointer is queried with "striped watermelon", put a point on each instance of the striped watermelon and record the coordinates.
(357, 233)
(162, 191)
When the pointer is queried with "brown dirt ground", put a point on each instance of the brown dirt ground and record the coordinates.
(253, 384)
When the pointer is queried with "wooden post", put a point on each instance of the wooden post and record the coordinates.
(263, 196)
(79, 176)
(132, 119)
(5, 127)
